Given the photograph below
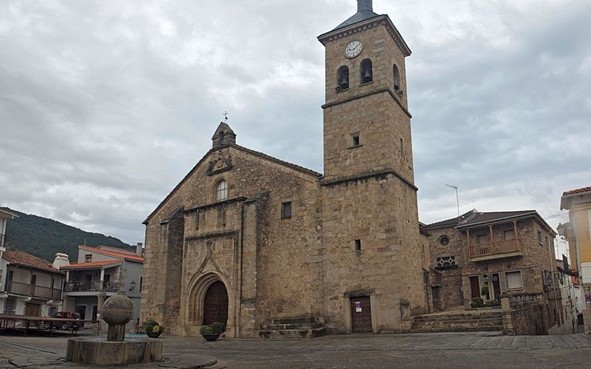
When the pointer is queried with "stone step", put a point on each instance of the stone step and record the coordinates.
(459, 322)
(292, 333)
(295, 320)
(457, 329)
(456, 319)
(458, 316)
(455, 324)
(278, 327)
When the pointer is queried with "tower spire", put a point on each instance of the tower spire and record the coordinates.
(364, 6)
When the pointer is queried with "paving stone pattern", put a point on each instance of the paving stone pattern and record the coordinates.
(434, 350)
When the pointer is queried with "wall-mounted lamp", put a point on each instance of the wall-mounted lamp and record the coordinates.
(132, 285)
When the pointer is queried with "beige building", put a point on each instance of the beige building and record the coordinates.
(578, 234)
(268, 246)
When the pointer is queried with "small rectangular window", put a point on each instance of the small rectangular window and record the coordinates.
(355, 139)
(514, 280)
(357, 245)
(540, 237)
(88, 258)
(286, 210)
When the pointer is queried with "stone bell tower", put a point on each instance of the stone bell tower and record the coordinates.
(366, 118)
(373, 263)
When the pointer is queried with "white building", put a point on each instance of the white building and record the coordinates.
(101, 272)
(28, 285)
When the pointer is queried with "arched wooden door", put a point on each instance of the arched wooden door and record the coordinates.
(215, 304)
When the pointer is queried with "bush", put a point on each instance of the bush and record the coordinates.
(212, 329)
(153, 326)
(477, 302)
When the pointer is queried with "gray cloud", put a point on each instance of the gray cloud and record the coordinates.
(106, 105)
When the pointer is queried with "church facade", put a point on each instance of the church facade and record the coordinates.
(250, 240)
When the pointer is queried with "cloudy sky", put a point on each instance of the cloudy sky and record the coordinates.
(105, 105)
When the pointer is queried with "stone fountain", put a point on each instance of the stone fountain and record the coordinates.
(115, 350)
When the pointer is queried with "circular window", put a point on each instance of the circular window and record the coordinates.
(444, 240)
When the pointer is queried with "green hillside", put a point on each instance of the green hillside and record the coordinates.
(44, 237)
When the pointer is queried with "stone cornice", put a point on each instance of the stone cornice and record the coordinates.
(216, 204)
(373, 92)
(365, 25)
(231, 234)
(366, 176)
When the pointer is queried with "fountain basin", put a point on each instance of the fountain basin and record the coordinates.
(98, 351)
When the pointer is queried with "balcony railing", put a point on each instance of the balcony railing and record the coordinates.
(32, 290)
(92, 286)
(495, 250)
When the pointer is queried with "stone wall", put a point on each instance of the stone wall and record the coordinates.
(373, 253)
(525, 314)
(237, 240)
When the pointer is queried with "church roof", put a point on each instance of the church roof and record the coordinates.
(364, 12)
(286, 164)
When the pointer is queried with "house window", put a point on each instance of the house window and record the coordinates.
(540, 237)
(343, 78)
(10, 306)
(444, 240)
(366, 71)
(88, 258)
(446, 262)
(514, 280)
(509, 234)
(221, 191)
(357, 245)
(355, 140)
(286, 210)
(482, 238)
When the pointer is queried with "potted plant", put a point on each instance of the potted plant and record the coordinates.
(484, 291)
(212, 332)
(153, 328)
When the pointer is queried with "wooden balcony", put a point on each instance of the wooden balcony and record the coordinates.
(495, 250)
(91, 286)
(32, 290)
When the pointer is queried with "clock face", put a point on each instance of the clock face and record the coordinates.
(353, 49)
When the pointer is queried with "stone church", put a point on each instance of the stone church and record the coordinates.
(267, 246)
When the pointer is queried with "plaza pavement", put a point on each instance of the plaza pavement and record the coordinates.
(407, 351)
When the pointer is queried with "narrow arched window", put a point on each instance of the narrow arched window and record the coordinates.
(366, 71)
(221, 191)
(343, 78)
(396, 75)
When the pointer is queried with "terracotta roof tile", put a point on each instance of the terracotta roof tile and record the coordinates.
(92, 264)
(27, 260)
(577, 191)
(115, 254)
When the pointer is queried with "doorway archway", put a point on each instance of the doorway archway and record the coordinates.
(215, 304)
